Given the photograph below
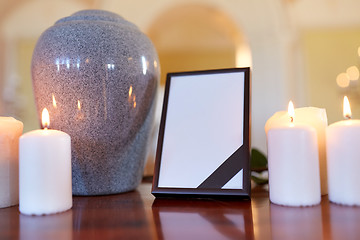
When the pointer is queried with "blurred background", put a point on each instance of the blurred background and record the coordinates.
(303, 50)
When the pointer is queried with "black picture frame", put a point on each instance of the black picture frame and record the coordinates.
(204, 138)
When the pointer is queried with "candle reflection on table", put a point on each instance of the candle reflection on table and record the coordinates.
(296, 223)
(340, 219)
(57, 226)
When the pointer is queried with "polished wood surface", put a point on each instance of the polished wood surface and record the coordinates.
(137, 215)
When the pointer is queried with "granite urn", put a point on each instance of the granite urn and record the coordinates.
(97, 74)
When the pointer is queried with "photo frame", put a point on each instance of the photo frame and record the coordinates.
(204, 138)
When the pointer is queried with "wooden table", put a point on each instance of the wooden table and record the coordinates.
(137, 215)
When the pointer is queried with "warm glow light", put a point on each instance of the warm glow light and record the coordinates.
(79, 105)
(359, 51)
(45, 118)
(291, 111)
(353, 73)
(346, 108)
(54, 101)
(343, 80)
(243, 56)
(130, 90)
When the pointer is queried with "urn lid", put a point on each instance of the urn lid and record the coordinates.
(96, 15)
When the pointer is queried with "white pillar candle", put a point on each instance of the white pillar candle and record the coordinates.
(45, 171)
(315, 117)
(343, 153)
(293, 163)
(10, 131)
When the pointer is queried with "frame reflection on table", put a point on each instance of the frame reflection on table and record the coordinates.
(203, 218)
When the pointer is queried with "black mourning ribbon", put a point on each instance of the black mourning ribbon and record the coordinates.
(226, 170)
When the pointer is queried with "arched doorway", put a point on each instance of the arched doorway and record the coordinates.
(197, 37)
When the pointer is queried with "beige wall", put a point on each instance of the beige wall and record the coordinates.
(199, 60)
(20, 28)
(260, 21)
(27, 111)
(276, 31)
(328, 52)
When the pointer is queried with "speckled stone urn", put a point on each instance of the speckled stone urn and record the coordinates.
(97, 75)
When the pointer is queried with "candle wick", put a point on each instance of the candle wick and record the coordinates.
(291, 119)
(348, 116)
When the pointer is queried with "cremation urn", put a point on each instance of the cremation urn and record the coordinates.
(97, 74)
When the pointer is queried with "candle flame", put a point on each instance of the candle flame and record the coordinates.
(291, 111)
(79, 104)
(45, 118)
(346, 108)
